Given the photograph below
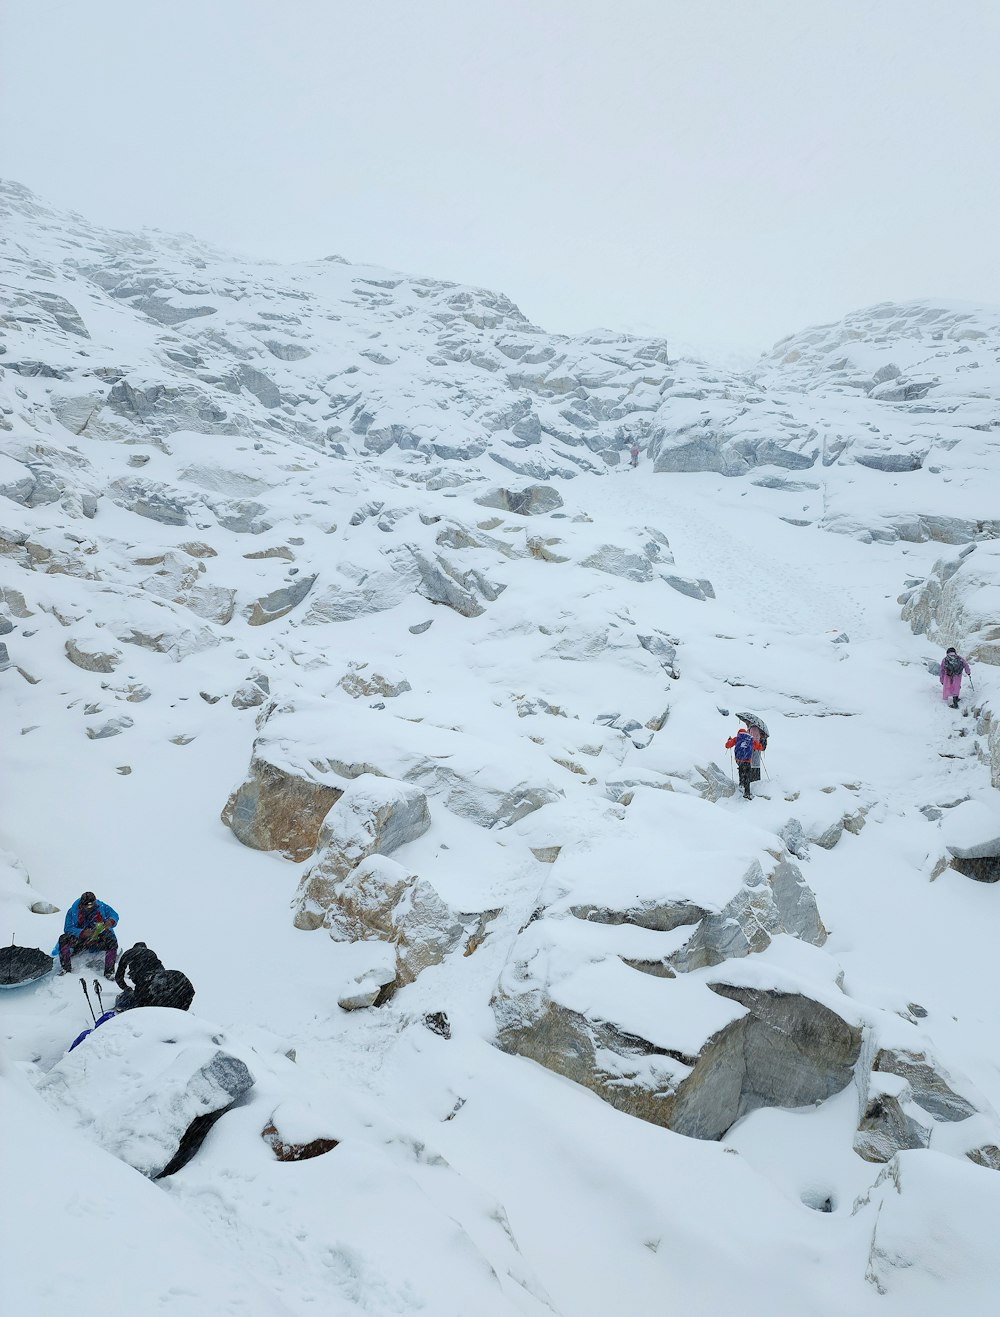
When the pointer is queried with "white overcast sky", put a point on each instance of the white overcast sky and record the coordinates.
(722, 172)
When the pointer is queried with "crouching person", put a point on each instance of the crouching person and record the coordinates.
(89, 926)
(135, 969)
(152, 985)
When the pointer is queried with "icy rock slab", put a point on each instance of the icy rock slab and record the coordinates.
(374, 815)
(279, 810)
(147, 1086)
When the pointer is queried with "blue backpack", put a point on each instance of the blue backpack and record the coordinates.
(743, 748)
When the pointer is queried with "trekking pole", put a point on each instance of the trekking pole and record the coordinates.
(100, 1000)
(731, 778)
(83, 985)
(764, 767)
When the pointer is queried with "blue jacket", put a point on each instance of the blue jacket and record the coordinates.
(101, 912)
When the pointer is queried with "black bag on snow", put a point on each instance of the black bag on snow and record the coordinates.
(167, 987)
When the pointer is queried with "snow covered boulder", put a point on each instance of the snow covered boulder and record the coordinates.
(932, 1224)
(616, 561)
(442, 582)
(382, 682)
(906, 1102)
(147, 1086)
(374, 815)
(687, 1053)
(529, 501)
(278, 809)
(93, 653)
(178, 578)
(272, 606)
(380, 899)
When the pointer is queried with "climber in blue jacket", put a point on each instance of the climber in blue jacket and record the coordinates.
(90, 926)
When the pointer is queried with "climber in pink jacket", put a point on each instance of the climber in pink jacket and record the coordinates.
(950, 675)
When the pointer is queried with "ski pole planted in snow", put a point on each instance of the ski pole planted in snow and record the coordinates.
(83, 985)
(100, 1000)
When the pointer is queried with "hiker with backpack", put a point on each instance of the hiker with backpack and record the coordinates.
(950, 675)
(152, 985)
(633, 453)
(89, 926)
(139, 964)
(744, 746)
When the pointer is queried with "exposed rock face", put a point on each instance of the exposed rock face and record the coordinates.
(442, 583)
(361, 683)
(178, 578)
(694, 589)
(279, 602)
(903, 1100)
(380, 899)
(277, 810)
(529, 501)
(782, 1049)
(93, 653)
(146, 1086)
(374, 815)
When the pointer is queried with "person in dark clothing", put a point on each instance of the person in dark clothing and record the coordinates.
(139, 964)
(743, 746)
(89, 926)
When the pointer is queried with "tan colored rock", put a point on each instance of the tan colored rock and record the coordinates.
(93, 653)
(274, 810)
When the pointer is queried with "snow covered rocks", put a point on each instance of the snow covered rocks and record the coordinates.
(624, 984)
(374, 816)
(147, 1086)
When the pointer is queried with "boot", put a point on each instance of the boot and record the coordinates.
(746, 795)
(954, 701)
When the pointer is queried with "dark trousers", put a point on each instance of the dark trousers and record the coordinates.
(70, 943)
(745, 769)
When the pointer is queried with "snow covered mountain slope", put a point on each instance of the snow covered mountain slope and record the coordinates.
(352, 663)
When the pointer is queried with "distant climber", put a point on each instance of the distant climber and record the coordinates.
(633, 453)
(950, 675)
(759, 734)
(89, 926)
(743, 746)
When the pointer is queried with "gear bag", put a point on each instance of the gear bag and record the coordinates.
(743, 749)
(952, 665)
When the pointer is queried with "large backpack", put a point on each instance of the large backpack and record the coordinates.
(743, 750)
(952, 664)
(168, 987)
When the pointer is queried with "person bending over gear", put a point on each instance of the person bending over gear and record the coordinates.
(743, 746)
(139, 964)
(89, 926)
(950, 675)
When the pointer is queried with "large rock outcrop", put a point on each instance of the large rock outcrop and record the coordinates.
(374, 816)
